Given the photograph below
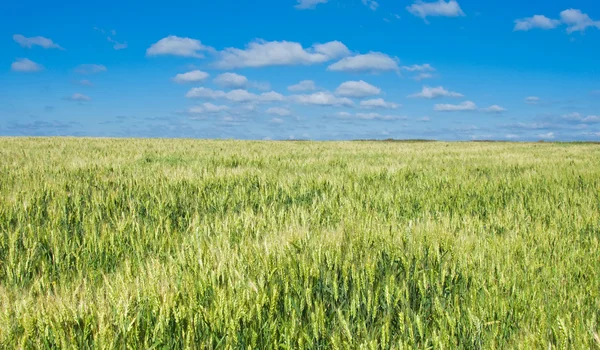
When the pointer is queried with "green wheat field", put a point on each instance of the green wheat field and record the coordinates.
(168, 244)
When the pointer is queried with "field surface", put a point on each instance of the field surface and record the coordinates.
(114, 243)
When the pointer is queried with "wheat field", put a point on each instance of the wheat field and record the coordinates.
(162, 244)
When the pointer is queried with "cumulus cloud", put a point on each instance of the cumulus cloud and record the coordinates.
(494, 109)
(282, 112)
(231, 80)
(419, 68)
(35, 41)
(423, 76)
(577, 21)
(25, 65)
(176, 46)
(577, 117)
(357, 89)
(372, 4)
(77, 97)
(532, 100)
(439, 8)
(261, 53)
(208, 108)
(191, 77)
(322, 99)
(368, 116)
(90, 68)
(238, 95)
(378, 103)
(435, 92)
(548, 135)
(462, 107)
(304, 85)
(370, 62)
(309, 4)
(537, 21)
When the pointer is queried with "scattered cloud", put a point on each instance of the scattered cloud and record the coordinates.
(537, 21)
(532, 100)
(577, 21)
(462, 107)
(419, 68)
(177, 46)
(322, 99)
(231, 80)
(85, 82)
(370, 62)
(77, 97)
(282, 112)
(357, 89)
(424, 119)
(25, 65)
(238, 95)
(368, 116)
(577, 117)
(207, 108)
(90, 68)
(378, 103)
(435, 92)
(36, 41)
(548, 135)
(438, 8)
(191, 77)
(277, 121)
(372, 4)
(304, 85)
(261, 53)
(494, 109)
(309, 4)
(511, 136)
(423, 76)
(116, 45)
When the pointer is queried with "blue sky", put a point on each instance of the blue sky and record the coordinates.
(302, 69)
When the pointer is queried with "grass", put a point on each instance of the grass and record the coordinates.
(110, 243)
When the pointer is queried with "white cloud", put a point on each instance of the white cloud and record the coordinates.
(191, 77)
(537, 21)
(277, 121)
(368, 116)
(322, 99)
(577, 21)
(304, 85)
(176, 46)
(439, 8)
(372, 4)
(424, 119)
(572, 116)
(532, 100)
(89, 68)
(464, 106)
(85, 82)
(494, 109)
(25, 65)
(260, 53)
(208, 108)
(549, 135)
(591, 119)
(231, 80)
(238, 95)
(511, 136)
(423, 76)
(309, 4)
(77, 97)
(373, 61)
(282, 112)
(36, 41)
(357, 89)
(378, 103)
(431, 93)
(419, 68)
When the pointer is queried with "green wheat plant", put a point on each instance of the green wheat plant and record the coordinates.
(163, 244)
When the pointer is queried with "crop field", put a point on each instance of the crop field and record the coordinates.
(161, 244)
